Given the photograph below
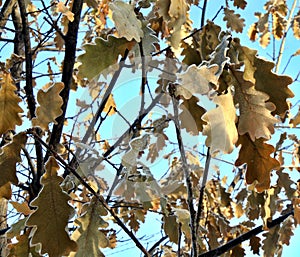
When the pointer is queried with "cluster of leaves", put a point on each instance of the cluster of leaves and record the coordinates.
(50, 170)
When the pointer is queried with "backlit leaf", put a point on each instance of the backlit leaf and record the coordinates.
(196, 80)
(255, 111)
(88, 236)
(220, 129)
(52, 215)
(240, 3)
(65, 11)
(190, 116)
(234, 21)
(9, 104)
(50, 106)
(101, 55)
(296, 25)
(269, 244)
(259, 163)
(9, 156)
(295, 121)
(110, 106)
(296, 203)
(127, 24)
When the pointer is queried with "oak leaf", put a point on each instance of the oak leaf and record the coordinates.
(9, 156)
(259, 163)
(9, 104)
(276, 86)
(240, 4)
(269, 244)
(65, 11)
(234, 21)
(101, 55)
(296, 25)
(88, 236)
(286, 231)
(255, 112)
(52, 215)
(196, 80)
(255, 244)
(127, 24)
(279, 24)
(5, 191)
(220, 129)
(110, 106)
(50, 105)
(296, 203)
(190, 116)
(295, 120)
(22, 207)
(170, 227)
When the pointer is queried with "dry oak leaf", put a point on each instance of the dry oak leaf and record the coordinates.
(259, 163)
(275, 86)
(5, 191)
(196, 80)
(296, 203)
(240, 4)
(286, 231)
(295, 120)
(234, 21)
(110, 106)
(190, 116)
(22, 207)
(255, 112)
(221, 129)
(52, 215)
(127, 24)
(296, 25)
(255, 244)
(100, 56)
(65, 11)
(88, 236)
(50, 105)
(9, 156)
(9, 104)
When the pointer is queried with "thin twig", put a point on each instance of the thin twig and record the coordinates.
(203, 13)
(202, 189)
(185, 170)
(179, 239)
(153, 247)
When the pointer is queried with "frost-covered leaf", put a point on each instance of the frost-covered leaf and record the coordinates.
(190, 116)
(50, 105)
(9, 156)
(259, 162)
(220, 129)
(255, 111)
(234, 21)
(275, 86)
(88, 236)
(127, 24)
(101, 55)
(9, 104)
(196, 80)
(52, 215)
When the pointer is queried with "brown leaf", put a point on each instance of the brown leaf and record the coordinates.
(9, 104)
(50, 105)
(296, 203)
(9, 157)
(5, 191)
(276, 86)
(190, 116)
(240, 4)
(286, 231)
(234, 21)
(255, 244)
(270, 243)
(52, 215)
(22, 207)
(255, 112)
(252, 32)
(171, 228)
(259, 163)
(296, 25)
(295, 120)
(110, 106)
(279, 24)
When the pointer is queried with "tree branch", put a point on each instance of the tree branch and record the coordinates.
(228, 246)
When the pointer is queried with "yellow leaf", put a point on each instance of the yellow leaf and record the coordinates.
(9, 156)
(127, 24)
(259, 163)
(101, 55)
(196, 80)
(234, 21)
(265, 39)
(255, 111)
(22, 207)
(9, 104)
(88, 236)
(296, 25)
(252, 32)
(50, 106)
(110, 106)
(220, 129)
(65, 11)
(52, 215)
(190, 116)
(5, 191)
